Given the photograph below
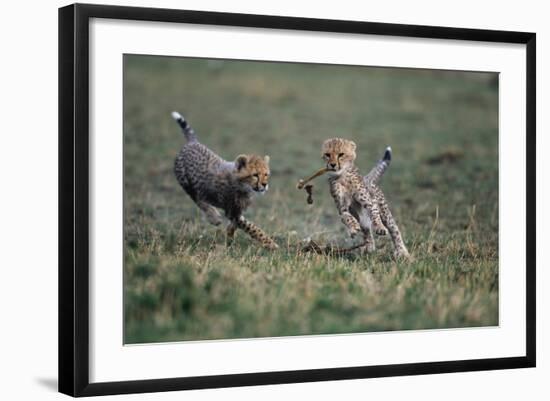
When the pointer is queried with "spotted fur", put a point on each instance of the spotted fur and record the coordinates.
(360, 201)
(214, 183)
(374, 176)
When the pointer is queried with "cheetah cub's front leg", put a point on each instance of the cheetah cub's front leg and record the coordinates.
(343, 203)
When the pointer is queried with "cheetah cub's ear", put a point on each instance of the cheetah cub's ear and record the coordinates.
(266, 159)
(241, 161)
(352, 145)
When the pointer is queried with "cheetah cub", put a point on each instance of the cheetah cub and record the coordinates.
(214, 183)
(360, 202)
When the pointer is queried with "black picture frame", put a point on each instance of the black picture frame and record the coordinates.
(74, 198)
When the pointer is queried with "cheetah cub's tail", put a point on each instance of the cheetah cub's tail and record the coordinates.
(185, 127)
(373, 177)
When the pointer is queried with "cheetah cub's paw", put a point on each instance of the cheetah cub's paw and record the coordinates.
(272, 245)
(353, 230)
(213, 219)
(368, 248)
(402, 255)
(381, 230)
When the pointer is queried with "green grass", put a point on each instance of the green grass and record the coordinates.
(182, 282)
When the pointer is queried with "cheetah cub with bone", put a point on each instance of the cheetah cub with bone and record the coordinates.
(212, 183)
(360, 201)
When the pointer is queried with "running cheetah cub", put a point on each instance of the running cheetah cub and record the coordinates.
(360, 202)
(214, 183)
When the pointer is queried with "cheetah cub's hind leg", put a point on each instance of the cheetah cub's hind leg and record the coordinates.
(365, 223)
(372, 209)
(211, 213)
(400, 250)
(230, 232)
(370, 246)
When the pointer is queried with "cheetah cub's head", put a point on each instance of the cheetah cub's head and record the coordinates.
(338, 154)
(253, 171)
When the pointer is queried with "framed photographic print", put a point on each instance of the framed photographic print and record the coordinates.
(251, 199)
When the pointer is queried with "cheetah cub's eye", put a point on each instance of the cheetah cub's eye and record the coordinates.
(327, 155)
(257, 175)
(340, 154)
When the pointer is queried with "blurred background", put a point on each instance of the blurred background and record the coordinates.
(182, 283)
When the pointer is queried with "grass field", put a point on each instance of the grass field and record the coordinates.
(182, 282)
